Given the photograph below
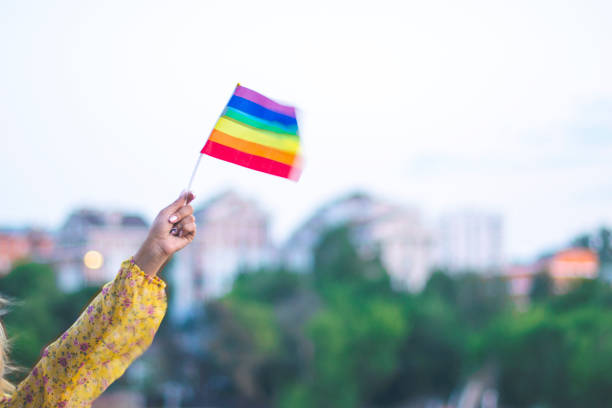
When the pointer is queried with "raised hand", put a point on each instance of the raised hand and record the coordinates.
(172, 230)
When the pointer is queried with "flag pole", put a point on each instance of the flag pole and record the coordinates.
(195, 169)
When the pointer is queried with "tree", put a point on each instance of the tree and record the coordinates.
(39, 311)
(542, 287)
(600, 242)
(356, 332)
(257, 331)
(557, 353)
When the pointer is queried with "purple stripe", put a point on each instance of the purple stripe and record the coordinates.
(267, 103)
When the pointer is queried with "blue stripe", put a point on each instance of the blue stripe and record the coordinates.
(259, 123)
(259, 111)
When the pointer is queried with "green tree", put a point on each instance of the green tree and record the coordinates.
(542, 287)
(30, 323)
(599, 241)
(356, 332)
(557, 353)
(257, 334)
(39, 311)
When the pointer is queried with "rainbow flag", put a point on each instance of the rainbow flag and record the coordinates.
(258, 133)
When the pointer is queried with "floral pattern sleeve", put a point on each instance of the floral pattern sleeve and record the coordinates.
(115, 328)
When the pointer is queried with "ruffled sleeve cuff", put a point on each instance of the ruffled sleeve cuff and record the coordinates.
(130, 271)
(137, 295)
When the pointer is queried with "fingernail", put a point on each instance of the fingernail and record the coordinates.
(173, 231)
(173, 218)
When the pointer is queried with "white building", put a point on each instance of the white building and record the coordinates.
(233, 235)
(107, 237)
(398, 232)
(470, 240)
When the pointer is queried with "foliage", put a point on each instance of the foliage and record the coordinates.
(541, 287)
(558, 352)
(351, 341)
(600, 242)
(341, 337)
(39, 312)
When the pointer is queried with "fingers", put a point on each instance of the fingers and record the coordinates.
(185, 227)
(183, 199)
(180, 214)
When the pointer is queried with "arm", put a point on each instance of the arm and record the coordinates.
(117, 326)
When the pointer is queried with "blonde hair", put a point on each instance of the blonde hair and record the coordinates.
(5, 386)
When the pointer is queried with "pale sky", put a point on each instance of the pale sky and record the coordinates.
(498, 105)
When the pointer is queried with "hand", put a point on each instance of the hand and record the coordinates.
(172, 230)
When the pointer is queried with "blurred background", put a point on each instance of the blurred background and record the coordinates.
(448, 244)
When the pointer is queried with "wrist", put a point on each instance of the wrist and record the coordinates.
(150, 258)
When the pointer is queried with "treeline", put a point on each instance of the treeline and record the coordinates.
(341, 337)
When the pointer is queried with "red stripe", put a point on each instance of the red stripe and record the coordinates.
(249, 160)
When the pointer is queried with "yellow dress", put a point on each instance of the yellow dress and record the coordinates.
(115, 328)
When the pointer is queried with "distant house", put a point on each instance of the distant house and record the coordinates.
(233, 235)
(92, 244)
(24, 244)
(564, 267)
(14, 245)
(520, 278)
(397, 232)
(573, 263)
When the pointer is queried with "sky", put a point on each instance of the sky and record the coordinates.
(502, 106)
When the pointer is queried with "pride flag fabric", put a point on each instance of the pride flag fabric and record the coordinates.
(258, 133)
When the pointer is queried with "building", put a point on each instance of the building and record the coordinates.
(520, 279)
(397, 232)
(233, 235)
(470, 241)
(92, 244)
(564, 268)
(18, 244)
(570, 264)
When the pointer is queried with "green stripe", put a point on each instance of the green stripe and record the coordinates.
(258, 123)
(280, 137)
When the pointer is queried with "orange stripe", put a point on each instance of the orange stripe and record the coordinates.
(252, 148)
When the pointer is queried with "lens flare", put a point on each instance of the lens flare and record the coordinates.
(93, 260)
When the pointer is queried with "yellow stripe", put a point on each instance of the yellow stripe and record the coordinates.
(270, 139)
